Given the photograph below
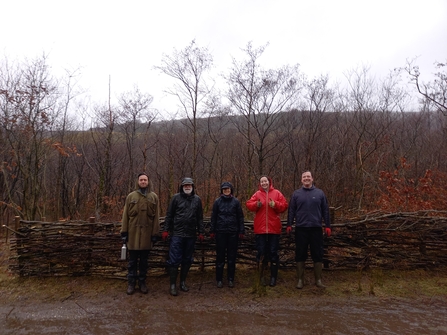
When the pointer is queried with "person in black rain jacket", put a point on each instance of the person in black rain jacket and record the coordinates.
(227, 226)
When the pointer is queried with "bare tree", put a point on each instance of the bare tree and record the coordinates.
(260, 96)
(188, 67)
(433, 92)
(29, 94)
(136, 117)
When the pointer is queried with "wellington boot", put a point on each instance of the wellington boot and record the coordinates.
(143, 287)
(131, 285)
(173, 290)
(183, 274)
(183, 286)
(318, 268)
(261, 268)
(273, 273)
(219, 284)
(173, 272)
(130, 288)
(300, 274)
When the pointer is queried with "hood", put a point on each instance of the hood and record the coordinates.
(270, 184)
(226, 184)
(187, 180)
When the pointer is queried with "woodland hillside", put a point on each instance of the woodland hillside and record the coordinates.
(367, 147)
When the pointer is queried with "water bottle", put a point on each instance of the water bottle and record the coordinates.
(123, 252)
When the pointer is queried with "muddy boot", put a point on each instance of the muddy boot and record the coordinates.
(131, 286)
(260, 273)
(173, 272)
(261, 268)
(318, 268)
(183, 273)
(142, 286)
(273, 273)
(300, 274)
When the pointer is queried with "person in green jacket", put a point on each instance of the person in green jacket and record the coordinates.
(140, 227)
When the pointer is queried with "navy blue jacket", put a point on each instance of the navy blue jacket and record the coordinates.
(227, 216)
(307, 208)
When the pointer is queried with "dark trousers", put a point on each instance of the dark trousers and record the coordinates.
(138, 265)
(181, 251)
(226, 247)
(267, 246)
(309, 237)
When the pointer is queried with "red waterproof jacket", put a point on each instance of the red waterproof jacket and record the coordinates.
(267, 220)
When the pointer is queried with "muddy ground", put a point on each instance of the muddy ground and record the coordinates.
(354, 302)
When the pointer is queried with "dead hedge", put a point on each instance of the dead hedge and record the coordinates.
(406, 240)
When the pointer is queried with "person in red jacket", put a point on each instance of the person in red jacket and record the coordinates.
(268, 203)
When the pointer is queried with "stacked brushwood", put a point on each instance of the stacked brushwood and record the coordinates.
(75, 248)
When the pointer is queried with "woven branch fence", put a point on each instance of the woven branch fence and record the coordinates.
(377, 240)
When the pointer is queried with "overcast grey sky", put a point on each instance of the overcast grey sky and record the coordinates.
(126, 39)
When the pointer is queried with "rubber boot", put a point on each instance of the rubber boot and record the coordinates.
(273, 273)
(318, 268)
(142, 286)
(130, 286)
(173, 272)
(183, 274)
(300, 274)
(261, 267)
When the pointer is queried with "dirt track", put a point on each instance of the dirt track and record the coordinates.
(352, 304)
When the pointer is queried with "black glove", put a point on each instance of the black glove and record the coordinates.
(154, 238)
(125, 236)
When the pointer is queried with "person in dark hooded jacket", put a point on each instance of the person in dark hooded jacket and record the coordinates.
(184, 220)
(227, 226)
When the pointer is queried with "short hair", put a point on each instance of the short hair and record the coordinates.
(142, 174)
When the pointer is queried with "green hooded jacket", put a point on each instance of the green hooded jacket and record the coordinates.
(141, 219)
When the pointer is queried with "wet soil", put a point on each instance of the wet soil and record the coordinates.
(354, 302)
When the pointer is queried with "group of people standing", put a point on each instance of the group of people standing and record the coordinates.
(307, 210)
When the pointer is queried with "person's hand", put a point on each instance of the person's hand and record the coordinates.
(328, 231)
(165, 235)
(124, 237)
(201, 238)
(212, 236)
(289, 230)
(272, 203)
(259, 204)
(241, 236)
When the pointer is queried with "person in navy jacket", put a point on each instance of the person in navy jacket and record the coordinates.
(227, 227)
(308, 207)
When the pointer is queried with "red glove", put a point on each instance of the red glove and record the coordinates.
(164, 235)
(241, 236)
(289, 229)
(328, 231)
(201, 238)
(212, 236)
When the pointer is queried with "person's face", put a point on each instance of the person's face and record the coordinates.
(226, 191)
(143, 181)
(307, 180)
(264, 183)
(187, 188)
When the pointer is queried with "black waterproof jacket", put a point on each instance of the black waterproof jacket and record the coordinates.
(184, 217)
(227, 216)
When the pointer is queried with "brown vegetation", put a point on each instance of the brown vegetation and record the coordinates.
(368, 150)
